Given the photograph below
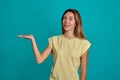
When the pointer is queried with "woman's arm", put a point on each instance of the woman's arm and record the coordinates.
(40, 57)
(83, 67)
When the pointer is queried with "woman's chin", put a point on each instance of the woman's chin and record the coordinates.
(66, 28)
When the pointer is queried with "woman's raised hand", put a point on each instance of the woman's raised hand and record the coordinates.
(28, 36)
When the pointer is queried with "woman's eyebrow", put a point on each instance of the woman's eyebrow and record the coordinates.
(71, 17)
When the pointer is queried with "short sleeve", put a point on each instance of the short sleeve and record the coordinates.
(50, 42)
(86, 46)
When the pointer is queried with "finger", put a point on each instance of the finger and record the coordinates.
(21, 36)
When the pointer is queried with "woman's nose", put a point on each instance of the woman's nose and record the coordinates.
(67, 20)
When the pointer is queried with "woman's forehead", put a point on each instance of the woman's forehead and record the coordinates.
(69, 14)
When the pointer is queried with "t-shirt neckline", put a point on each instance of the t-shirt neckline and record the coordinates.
(68, 38)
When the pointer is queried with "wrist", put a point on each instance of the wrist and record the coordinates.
(32, 39)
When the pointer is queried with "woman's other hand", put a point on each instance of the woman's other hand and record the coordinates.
(28, 36)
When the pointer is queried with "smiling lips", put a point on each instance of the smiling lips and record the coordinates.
(66, 25)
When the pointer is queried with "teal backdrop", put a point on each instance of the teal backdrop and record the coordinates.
(42, 18)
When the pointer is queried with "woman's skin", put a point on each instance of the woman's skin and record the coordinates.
(69, 26)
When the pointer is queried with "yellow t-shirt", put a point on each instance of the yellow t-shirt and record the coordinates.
(66, 56)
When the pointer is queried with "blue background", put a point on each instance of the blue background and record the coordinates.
(42, 18)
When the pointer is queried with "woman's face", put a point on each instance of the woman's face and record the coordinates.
(68, 21)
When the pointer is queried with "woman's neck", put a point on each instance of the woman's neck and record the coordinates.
(69, 35)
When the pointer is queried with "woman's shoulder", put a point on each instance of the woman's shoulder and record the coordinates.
(56, 36)
(85, 41)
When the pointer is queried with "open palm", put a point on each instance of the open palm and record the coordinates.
(28, 36)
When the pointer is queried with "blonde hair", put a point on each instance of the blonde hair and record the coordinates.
(78, 23)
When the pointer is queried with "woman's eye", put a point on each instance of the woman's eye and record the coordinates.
(70, 18)
(64, 18)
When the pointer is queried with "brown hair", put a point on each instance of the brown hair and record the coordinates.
(78, 28)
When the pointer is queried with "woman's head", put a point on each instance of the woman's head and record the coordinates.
(71, 20)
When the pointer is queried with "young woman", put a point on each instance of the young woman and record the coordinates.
(70, 49)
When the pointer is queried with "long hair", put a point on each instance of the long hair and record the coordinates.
(78, 23)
